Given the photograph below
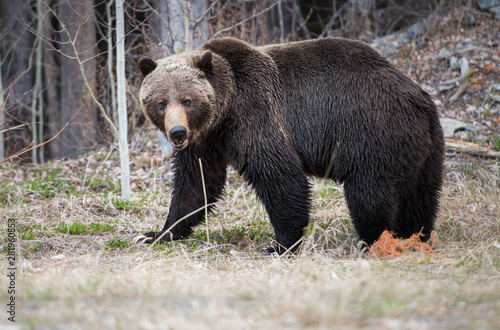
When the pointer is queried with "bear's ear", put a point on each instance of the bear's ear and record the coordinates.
(147, 65)
(204, 63)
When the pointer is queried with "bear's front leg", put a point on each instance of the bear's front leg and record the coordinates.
(283, 188)
(187, 194)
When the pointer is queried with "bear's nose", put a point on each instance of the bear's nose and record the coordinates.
(178, 133)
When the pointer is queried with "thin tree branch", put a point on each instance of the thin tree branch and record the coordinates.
(27, 149)
(202, 16)
(245, 20)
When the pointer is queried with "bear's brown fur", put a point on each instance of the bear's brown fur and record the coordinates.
(331, 108)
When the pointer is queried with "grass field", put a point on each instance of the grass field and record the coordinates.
(77, 266)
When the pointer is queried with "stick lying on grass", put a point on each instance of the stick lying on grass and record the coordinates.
(144, 239)
(471, 149)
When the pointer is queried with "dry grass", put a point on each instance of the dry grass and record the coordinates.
(78, 269)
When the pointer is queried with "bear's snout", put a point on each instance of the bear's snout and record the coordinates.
(178, 136)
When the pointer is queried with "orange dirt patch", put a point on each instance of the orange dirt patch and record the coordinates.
(389, 247)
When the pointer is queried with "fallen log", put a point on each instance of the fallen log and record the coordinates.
(471, 149)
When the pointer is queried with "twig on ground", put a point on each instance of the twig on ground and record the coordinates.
(205, 196)
(179, 221)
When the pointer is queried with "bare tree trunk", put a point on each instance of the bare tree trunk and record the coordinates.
(82, 134)
(122, 100)
(36, 109)
(282, 28)
(16, 46)
(110, 64)
(52, 86)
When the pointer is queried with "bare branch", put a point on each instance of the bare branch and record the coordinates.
(27, 149)
(202, 16)
(245, 20)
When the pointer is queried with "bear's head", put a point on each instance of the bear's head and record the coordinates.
(178, 96)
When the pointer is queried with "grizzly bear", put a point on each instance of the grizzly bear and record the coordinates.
(332, 108)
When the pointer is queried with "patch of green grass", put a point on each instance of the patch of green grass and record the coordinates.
(495, 144)
(52, 184)
(35, 247)
(79, 228)
(119, 243)
(26, 233)
(256, 232)
(326, 223)
(468, 169)
(330, 192)
(8, 195)
(98, 184)
(120, 204)
(219, 236)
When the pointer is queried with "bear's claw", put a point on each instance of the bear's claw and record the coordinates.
(142, 239)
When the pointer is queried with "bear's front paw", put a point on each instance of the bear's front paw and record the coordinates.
(152, 236)
(279, 249)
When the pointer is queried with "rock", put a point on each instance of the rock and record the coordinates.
(450, 126)
(471, 108)
(471, 128)
(470, 20)
(493, 6)
(444, 53)
(454, 63)
(416, 30)
(464, 66)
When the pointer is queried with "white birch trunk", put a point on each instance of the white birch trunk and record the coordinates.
(122, 100)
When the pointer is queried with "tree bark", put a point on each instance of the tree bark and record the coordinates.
(37, 101)
(16, 45)
(51, 86)
(81, 136)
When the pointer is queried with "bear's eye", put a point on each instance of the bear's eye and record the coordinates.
(162, 106)
(186, 102)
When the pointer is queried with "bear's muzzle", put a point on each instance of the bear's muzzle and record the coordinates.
(178, 137)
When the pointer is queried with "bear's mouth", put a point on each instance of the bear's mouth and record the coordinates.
(179, 144)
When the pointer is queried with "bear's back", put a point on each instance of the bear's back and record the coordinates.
(344, 93)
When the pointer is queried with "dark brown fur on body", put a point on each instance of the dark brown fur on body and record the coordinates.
(329, 108)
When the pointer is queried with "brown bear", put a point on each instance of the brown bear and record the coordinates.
(332, 108)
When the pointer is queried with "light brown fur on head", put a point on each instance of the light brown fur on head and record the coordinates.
(176, 93)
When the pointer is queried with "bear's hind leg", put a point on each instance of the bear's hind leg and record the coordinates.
(373, 208)
(419, 205)
(284, 190)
